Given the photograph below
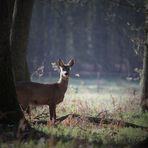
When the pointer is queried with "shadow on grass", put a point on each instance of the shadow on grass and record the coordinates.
(95, 120)
(9, 134)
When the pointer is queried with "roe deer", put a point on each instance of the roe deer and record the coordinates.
(45, 94)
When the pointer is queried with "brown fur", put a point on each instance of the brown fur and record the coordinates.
(43, 94)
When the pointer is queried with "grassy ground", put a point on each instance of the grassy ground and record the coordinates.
(106, 99)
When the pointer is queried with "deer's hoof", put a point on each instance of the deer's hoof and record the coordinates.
(52, 123)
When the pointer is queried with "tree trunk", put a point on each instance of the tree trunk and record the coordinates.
(144, 95)
(19, 38)
(91, 19)
(10, 111)
(69, 45)
(54, 36)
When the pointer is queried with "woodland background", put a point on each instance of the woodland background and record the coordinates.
(105, 37)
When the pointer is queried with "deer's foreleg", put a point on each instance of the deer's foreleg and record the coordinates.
(52, 110)
(54, 113)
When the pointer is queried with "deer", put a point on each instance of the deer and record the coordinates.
(32, 93)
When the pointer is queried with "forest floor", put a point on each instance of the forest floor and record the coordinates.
(94, 113)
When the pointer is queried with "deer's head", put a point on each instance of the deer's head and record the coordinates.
(65, 68)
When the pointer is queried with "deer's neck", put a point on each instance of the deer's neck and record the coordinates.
(63, 83)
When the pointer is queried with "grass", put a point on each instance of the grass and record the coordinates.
(117, 99)
(102, 136)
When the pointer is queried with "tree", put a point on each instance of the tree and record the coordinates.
(69, 41)
(19, 38)
(91, 18)
(10, 111)
(144, 93)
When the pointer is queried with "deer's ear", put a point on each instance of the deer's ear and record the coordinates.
(71, 62)
(60, 63)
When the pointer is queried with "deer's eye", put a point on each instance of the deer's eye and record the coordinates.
(64, 68)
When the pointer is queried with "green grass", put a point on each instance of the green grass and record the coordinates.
(103, 136)
(117, 99)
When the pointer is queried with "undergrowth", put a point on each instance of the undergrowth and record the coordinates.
(106, 100)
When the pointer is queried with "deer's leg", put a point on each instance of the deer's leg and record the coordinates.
(52, 112)
(28, 111)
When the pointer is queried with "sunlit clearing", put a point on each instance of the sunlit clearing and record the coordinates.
(93, 96)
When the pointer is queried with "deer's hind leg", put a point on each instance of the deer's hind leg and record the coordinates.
(27, 109)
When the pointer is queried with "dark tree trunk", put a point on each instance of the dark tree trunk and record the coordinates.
(10, 111)
(19, 38)
(91, 19)
(144, 95)
(69, 44)
(11, 8)
(54, 36)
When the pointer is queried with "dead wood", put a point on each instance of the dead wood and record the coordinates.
(97, 120)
